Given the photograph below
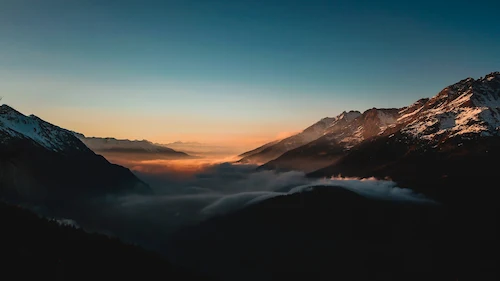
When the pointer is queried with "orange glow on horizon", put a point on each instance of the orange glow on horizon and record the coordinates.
(159, 128)
(180, 167)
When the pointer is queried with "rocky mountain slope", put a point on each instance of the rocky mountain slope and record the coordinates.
(335, 142)
(309, 134)
(465, 110)
(40, 162)
(438, 145)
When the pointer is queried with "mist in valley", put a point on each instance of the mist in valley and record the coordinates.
(186, 193)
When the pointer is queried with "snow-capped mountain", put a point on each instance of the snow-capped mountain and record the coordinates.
(40, 162)
(320, 128)
(467, 108)
(437, 145)
(15, 125)
(336, 140)
(110, 145)
(371, 123)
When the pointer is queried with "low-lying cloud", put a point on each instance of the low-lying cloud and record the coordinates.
(216, 190)
(377, 189)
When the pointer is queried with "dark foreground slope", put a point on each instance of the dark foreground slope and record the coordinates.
(332, 234)
(39, 249)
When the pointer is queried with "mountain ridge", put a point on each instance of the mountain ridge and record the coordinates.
(335, 141)
(309, 134)
(427, 152)
(43, 163)
(468, 108)
(113, 145)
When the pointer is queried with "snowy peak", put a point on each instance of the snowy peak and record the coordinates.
(14, 124)
(349, 116)
(381, 117)
(411, 110)
(372, 122)
(469, 107)
(349, 129)
(327, 124)
(486, 91)
(6, 110)
(341, 121)
(43, 163)
(469, 92)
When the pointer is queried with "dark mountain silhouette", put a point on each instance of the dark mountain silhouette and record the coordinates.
(43, 164)
(327, 234)
(37, 248)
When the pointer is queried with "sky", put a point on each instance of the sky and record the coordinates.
(233, 72)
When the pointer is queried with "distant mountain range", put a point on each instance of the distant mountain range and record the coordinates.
(183, 143)
(203, 149)
(112, 145)
(459, 124)
(43, 163)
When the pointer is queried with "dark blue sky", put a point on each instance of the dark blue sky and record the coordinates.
(249, 67)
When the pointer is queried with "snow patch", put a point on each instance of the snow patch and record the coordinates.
(468, 107)
(385, 119)
(409, 114)
(47, 135)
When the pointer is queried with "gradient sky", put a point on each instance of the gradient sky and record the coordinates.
(233, 71)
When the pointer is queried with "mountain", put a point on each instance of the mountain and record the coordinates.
(309, 134)
(336, 141)
(258, 149)
(183, 143)
(39, 248)
(446, 146)
(467, 108)
(43, 163)
(440, 145)
(112, 145)
(328, 233)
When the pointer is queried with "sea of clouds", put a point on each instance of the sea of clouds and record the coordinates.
(217, 190)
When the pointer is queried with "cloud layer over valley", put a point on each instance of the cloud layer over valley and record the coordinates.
(214, 190)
